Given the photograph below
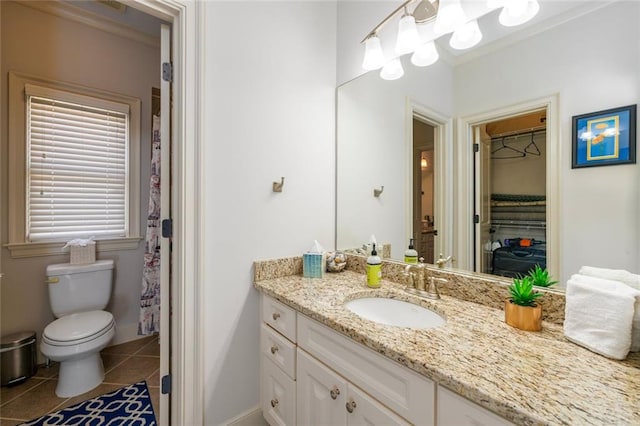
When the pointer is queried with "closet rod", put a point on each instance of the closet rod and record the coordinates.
(531, 131)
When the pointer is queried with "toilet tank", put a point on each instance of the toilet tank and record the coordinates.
(79, 288)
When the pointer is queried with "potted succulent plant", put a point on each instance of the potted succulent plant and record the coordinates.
(521, 310)
(540, 277)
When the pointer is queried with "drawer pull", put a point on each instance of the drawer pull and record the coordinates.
(334, 393)
(351, 405)
(275, 316)
(274, 402)
(274, 349)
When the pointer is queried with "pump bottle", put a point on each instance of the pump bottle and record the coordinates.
(374, 269)
(411, 255)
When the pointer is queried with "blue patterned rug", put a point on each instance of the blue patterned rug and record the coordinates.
(130, 406)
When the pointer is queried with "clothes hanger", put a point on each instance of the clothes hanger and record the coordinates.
(529, 149)
(513, 152)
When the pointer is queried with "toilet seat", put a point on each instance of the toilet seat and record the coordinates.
(78, 328)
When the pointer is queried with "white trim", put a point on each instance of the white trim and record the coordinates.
(443, 178)
(19, 250)
(187, 361)
(91, 19)
(17, 164)
(464, 164)
(251, 417)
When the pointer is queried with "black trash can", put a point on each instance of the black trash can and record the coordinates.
(19, 357)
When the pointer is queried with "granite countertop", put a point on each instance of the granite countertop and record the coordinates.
(527, 377)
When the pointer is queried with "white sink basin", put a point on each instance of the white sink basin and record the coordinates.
(394, 312)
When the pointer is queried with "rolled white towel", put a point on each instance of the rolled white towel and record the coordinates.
(599, 315)
(612, 274)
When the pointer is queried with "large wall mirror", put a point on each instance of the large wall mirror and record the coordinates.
(585, 60)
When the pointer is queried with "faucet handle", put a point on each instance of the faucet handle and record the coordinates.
(432, 287)
(443, 261)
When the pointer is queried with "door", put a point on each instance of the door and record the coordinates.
(364, 410)
(483, 253)
(321, 395)
(165, 214)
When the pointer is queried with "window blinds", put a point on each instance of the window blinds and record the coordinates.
(76, 169)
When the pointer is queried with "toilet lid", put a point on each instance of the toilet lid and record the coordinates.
(80, 326)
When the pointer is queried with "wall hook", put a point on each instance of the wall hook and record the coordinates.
(377, 192)
(277, 186)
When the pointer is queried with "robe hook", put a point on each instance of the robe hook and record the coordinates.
(277, 186)
(377, 192)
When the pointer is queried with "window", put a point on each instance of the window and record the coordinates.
(74, 148)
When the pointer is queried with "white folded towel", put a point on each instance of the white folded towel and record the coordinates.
(612, 274)
(599, 315)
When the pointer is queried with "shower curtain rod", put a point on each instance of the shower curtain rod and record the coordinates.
(532, 131)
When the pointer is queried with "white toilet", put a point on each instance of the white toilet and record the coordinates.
(77, 295)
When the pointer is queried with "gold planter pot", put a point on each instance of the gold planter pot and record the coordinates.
(528, 318)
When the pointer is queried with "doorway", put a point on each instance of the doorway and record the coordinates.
(510, 187)
(424, 199)
(468, 206)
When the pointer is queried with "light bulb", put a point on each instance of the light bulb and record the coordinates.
(450, 16)
(408, 37)
(373, 56)
(392, 70)
(514, 13)
(425, 55)
(466, 36)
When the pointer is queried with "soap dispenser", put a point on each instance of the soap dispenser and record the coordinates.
(411, 255)
(374, 269)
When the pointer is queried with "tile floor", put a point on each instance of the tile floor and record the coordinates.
(124, 364)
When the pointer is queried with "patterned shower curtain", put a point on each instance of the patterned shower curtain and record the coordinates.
(149, 321)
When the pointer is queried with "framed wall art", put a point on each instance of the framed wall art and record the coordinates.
(604, 138)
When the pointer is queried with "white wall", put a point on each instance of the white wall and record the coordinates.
(372, 151)
(41, 44)
(269, 105)
(592, 64)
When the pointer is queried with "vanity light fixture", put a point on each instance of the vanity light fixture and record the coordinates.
(423, 163)
(443, 17)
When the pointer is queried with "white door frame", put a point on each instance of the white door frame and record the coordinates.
(443, 176)
(464, 166)
(187, 22)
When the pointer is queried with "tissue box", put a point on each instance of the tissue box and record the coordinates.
(83, 254)
(313, 265)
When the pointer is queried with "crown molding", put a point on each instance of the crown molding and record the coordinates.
(91, 19)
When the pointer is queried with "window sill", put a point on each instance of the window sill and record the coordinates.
(19, 250)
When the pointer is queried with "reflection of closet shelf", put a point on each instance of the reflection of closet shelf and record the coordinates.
(519, 223)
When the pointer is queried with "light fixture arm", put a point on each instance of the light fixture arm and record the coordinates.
(387, 19)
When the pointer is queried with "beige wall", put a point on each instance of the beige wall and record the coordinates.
(40, 44)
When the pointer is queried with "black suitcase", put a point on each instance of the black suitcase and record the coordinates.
(518, 261)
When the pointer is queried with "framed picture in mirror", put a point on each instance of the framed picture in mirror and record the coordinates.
(604, 138)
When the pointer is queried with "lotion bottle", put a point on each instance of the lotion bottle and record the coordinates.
(411, 255)
(374, 269)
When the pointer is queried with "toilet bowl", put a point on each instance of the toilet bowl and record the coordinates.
(75, 341)
(77, 294)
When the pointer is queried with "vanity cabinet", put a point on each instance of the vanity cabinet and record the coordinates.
(311, 374)
(278, 363)
(454, 410)
(326, 398)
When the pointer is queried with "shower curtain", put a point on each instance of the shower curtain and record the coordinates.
(149, 321)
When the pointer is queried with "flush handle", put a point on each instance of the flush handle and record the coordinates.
(53, 280)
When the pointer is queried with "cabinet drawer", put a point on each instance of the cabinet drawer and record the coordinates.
(278, 395)
(407, 393)
(454, 410)
(279, 350)
(279, 316)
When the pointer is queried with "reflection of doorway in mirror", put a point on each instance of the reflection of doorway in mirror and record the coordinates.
(510, 182)
(424, 231)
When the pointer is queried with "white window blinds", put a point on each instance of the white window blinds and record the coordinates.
(76, 166)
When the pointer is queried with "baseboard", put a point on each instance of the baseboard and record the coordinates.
(125, 333)
(252, 417)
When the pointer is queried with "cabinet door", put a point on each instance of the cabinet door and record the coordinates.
(321, 393)
(278, 395)
(454, 410)
(364, 410)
